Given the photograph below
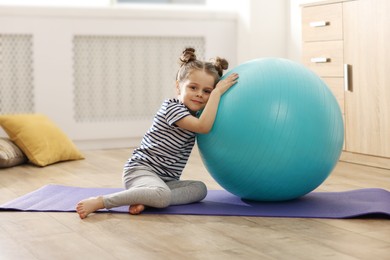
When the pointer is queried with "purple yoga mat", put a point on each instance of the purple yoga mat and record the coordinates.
(348, 204)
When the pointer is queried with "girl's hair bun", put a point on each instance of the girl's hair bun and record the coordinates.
(220, 64)
(189, 63)
(188, 55)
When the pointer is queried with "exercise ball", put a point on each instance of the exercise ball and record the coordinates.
(278, 133)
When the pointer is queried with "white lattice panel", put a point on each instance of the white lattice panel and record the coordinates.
(125, 78)
(16, 74)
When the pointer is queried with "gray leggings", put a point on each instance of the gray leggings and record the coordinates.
(147, 188)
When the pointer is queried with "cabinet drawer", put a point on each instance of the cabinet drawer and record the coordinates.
(324, 58)
(322, 23)
(336, 85)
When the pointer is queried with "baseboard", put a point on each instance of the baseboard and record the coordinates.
(107, 143)
(373, 161)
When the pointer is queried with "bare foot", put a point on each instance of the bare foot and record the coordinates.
(136, 209)
(87, 206)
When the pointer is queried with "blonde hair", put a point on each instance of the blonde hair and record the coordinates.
(189, 63)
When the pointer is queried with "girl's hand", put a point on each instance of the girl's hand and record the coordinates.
(223, 85)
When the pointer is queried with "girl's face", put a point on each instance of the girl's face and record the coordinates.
(195, 91)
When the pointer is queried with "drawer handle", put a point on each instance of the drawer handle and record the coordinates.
(320, 60)
(319, 24)
(347, 78)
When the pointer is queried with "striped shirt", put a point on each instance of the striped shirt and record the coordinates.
(165, 148)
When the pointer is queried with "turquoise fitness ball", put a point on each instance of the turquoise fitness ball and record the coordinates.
(278, 133)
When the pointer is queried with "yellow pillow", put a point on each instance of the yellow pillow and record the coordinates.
(39, 138)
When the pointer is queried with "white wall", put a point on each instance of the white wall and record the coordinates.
(261, 29)
(261, 26)
(60, 3)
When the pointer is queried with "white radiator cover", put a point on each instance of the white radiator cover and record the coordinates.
(16, 74)
(124, 78)
(101, 74)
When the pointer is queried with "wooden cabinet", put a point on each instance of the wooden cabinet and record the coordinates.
(322, 23)
(367, 106)
(322, 52)
(346, 43)
(325, 58)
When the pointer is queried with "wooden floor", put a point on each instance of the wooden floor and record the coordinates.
(121, 236)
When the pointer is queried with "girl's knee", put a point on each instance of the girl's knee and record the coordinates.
(202, 189)
(163, 197)
(198, 189)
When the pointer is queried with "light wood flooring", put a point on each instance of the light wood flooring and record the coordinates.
(121, 236)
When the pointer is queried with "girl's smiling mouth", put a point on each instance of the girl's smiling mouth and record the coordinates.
(197, 101)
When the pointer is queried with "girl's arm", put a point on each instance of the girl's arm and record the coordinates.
(205, 122)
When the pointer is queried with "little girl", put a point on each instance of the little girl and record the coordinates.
(151, 175)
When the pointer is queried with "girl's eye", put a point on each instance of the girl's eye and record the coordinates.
(207, 91)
